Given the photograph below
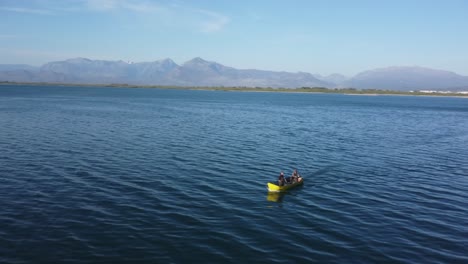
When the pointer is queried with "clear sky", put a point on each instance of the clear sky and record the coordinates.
(316, 36)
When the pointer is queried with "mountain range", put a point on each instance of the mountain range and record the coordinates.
(199, 72)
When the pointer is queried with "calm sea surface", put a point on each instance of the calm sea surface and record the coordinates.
(114, 175)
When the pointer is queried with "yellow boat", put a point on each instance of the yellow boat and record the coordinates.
(276, 188)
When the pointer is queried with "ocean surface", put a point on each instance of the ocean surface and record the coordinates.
(117, 175)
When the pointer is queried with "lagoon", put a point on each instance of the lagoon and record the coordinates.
(125, 175)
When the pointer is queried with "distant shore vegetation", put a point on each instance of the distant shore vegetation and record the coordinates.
(254, 89)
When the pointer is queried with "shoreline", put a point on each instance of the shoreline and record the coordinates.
(305, 90)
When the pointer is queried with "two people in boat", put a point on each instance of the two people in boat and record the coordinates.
(292, 179)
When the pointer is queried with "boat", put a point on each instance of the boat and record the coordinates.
(272, 187)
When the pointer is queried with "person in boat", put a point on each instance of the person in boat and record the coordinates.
(295, 176)
(281, 179)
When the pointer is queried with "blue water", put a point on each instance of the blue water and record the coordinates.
(116, 175)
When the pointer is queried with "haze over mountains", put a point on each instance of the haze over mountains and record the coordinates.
(199, 72)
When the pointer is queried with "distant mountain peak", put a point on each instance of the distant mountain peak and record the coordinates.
(168, 62)
(78, 60)
(198, 61)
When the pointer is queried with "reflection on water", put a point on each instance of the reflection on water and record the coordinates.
(275, 196)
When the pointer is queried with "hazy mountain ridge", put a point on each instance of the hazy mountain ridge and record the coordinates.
(334, 78)
(199, 72)
(12, 67)
(196, 72)
(407, 78)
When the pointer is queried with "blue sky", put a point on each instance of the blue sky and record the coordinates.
(324, 37)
